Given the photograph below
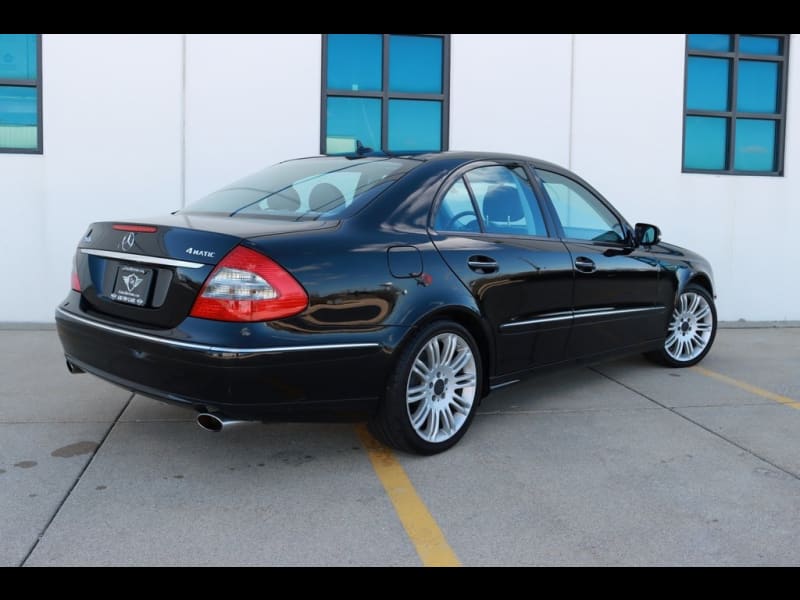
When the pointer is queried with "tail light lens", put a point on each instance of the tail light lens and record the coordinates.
(248, 286)
(73, 279)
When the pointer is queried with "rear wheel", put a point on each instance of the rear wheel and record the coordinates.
(432, 395)
(691, 329)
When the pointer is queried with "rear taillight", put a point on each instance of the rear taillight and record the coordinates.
(73, 279)
(248, 286)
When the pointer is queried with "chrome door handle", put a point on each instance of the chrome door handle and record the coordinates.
(586, 265)
(482, 264)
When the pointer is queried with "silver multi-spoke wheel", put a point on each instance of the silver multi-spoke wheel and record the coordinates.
(691, 328)
(441, 387)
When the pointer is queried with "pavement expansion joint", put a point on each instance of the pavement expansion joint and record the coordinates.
(95, 450)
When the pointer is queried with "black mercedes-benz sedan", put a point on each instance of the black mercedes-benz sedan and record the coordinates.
(401, 288)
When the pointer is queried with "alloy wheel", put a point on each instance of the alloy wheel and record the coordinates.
(441, 387)
(690, 329)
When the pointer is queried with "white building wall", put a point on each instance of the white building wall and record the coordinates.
(134, 125)
(23, 252)
(627, 140)
(511, 93)
(251, 101)
(112, 116)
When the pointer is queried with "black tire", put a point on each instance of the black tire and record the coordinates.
(392, 424)
(668, 358)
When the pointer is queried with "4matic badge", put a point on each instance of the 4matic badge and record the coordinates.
(197, 252)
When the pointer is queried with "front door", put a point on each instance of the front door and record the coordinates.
(616, 284)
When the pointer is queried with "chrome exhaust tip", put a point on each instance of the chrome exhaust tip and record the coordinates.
(216, 422)
(74, 369)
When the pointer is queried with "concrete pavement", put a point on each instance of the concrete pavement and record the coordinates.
(622, 464)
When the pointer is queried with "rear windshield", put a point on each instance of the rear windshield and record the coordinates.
(309, 188)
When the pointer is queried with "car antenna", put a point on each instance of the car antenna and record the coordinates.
(361, 149)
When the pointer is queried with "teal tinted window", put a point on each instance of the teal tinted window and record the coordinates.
(19, 93)
(757, 87)
(415, 64)
(709, 41)
(17, 105)
(385, 92)
(705, 141)
(351, 119)
(18, 56)
(355, 62)
(415, 125)
(755, 145)
(749, 44)
(707, 83)
(735, 108)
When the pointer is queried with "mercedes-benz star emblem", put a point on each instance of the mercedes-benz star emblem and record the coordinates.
(128, 241)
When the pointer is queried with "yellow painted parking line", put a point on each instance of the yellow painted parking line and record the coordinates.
(421, 527)
(785, 400)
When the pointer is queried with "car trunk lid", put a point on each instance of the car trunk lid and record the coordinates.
(150, 272)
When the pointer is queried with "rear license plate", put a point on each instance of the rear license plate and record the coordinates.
(132, 285)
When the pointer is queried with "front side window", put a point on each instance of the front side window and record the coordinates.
(583, 216)
(20, 93)
(735, 103)
(385, 92)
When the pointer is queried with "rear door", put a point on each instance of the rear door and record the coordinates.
(489, 227)
(616, 285)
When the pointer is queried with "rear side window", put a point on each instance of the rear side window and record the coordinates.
(506, 201)
(456, 211)
(583, 215)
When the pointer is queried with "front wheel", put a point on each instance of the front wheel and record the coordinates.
(691, 329)
(432, 394)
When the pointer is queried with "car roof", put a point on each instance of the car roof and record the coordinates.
(471, 155)
(463, 156)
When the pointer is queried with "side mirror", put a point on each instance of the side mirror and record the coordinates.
(646, 234)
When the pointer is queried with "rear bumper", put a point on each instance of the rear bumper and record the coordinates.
(265, 374)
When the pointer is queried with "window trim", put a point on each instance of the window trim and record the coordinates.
(384, 95)
(731, 115)
(37, 84)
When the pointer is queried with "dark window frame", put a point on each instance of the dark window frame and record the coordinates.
(385, 95)
(731, 115)
(37, 84)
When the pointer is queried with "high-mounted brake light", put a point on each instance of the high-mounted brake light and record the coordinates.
(248, 286)
(135, 228)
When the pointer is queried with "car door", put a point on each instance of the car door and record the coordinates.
(616, 284)
(490, 228)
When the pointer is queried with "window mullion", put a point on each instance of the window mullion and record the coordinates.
(385, 99)
(734, 82)
(780, 133)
